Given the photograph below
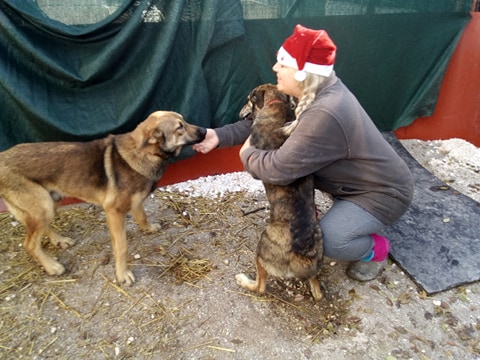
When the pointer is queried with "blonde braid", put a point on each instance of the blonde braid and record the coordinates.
(310, 86)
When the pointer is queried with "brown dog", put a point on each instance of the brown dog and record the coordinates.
(291, 244)
(117, 172)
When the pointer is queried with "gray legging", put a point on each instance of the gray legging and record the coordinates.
(346, 229)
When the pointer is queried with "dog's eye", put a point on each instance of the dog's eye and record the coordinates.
(180, 126)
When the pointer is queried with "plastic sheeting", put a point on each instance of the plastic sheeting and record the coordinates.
(80, 69)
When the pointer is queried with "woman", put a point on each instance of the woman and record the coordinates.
(335, 140)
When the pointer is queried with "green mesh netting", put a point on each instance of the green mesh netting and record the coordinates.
(80, 69)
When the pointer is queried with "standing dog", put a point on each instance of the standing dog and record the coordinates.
(117, 172)
(291, 244)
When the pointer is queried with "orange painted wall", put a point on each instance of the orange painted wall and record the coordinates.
(457, 114)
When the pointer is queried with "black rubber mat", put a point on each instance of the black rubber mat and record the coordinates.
(437, 242)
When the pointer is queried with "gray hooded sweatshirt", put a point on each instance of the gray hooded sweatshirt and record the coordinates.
(339, 144)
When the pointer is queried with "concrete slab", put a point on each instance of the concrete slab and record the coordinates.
(437, 242)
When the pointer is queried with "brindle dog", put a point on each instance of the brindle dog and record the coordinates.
(291, 244)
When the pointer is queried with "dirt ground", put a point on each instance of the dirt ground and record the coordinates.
(185, 303)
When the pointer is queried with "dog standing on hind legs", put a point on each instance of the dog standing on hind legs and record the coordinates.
(117, 172)
(291, 244)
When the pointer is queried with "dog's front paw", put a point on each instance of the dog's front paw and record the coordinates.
(125, 277)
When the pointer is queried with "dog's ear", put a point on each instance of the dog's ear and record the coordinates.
(149, 131)
(258, 98)
(156, 136)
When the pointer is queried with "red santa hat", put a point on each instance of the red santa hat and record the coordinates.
(308, 50)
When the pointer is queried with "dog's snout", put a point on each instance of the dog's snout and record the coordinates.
(247, 116)
(246, 112)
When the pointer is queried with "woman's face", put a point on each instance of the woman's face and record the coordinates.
(286, 80)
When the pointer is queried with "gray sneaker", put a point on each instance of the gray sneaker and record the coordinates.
(365, 270)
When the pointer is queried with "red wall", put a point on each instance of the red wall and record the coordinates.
(457, 114)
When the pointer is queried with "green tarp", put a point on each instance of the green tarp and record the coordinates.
(80, 69)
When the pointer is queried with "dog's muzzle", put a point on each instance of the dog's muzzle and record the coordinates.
(248, 116)
(246, 113)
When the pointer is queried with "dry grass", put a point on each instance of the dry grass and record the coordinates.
(185, 302)
(43, 316)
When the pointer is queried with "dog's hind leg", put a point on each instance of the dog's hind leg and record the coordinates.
(315, 288)
(55, 238)
(259, 285)
(36, 220)
(58, 240)
(33, 245)
(138, 213)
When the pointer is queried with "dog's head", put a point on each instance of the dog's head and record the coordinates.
(165, 133)
(261, 96)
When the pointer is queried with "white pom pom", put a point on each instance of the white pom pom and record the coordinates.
(300, 75)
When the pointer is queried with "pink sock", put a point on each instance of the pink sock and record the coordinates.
(380, 248)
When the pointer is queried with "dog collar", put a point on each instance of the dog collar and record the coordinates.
(274, 101)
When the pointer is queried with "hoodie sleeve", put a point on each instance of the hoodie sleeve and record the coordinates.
(234, 134)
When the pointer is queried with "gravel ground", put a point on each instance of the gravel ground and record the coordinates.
(186, 304)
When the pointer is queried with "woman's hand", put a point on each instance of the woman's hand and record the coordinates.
(209, 143)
